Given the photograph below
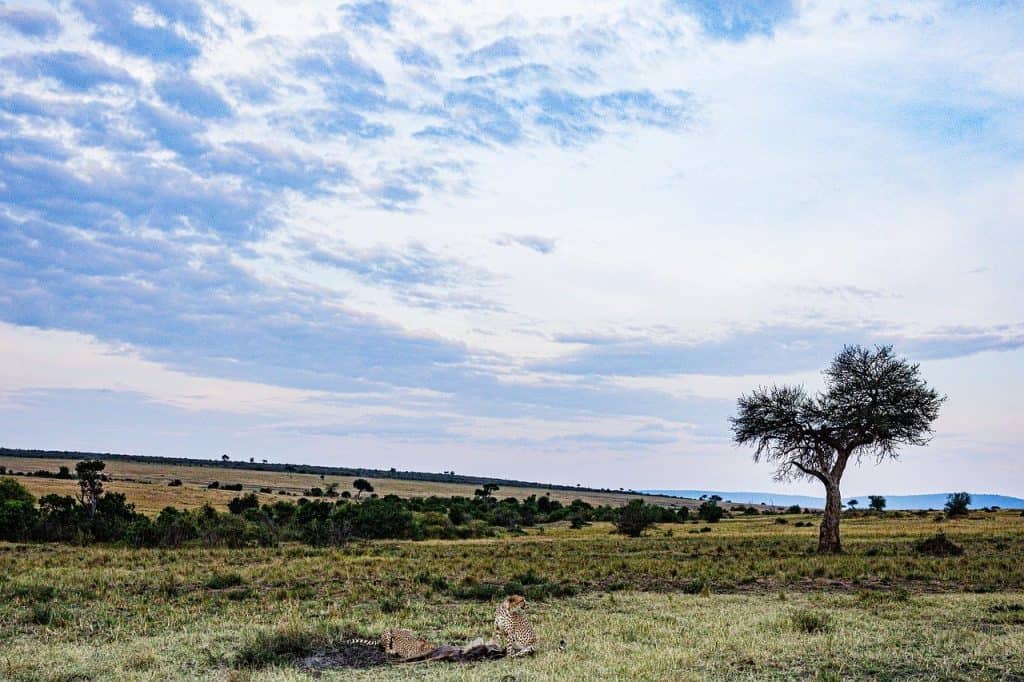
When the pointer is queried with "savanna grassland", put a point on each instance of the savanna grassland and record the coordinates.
(747, 599)
(145, 484)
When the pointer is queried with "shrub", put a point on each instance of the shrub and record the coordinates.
(577, 521)
(386, 517)
(939, 545)
(634, 519)
(176, 483)
(214, 485)
(17, 511)
(710, 511)
(12, 491)
(781, 520)
(457, 516)
(240, 504)
(957, 504)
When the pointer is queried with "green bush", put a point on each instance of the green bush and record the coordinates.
(634, 518)
(239, 504)
(710, 511)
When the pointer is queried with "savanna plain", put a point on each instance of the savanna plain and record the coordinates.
(747, 597)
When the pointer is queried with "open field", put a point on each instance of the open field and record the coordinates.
(748, 599)
(145, 485)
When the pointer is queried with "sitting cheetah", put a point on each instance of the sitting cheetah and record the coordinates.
(398, 642)
(510, 622)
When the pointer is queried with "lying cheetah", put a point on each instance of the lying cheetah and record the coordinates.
(398, 642)
(510, 622)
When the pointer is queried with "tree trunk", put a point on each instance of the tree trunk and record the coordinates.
(828, 537)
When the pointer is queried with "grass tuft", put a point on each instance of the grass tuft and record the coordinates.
(220, 581)
(811, 622)
(286, 643)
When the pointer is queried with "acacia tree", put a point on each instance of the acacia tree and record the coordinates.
(872, 404)
(90, 483)
(362, 486)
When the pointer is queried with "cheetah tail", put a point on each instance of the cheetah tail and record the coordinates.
(363, 642)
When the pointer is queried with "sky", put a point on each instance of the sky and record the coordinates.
(545, 240)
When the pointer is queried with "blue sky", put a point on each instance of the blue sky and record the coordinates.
(545, 240)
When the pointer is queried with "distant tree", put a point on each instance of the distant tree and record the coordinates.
(240, 504)
(90, 483)
(486, 491)
(176, 483)
(63, 472)
(852, 504)
(214, 485)
(3, 470)
(793, 509)
(715, 498)
(224, 458)
(957, 504)
(634, 518)
(873, 403)
(710, 511)
(877, 503)
(264, 461)
(362, 486)
(332, 490)
(346, 494)
(252, 460)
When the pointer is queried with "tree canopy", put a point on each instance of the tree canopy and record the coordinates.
(873, 403)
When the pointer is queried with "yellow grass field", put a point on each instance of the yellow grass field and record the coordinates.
(145, 485)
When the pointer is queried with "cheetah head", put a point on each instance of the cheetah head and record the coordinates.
(515, 603)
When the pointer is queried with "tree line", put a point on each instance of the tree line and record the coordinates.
(96, 515)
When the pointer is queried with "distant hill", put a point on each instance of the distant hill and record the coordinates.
(443, 477)
(893, 502)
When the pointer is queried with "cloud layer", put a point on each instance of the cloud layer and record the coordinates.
(483, 238)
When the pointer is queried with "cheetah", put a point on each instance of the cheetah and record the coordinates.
(398, 642)
(510, 622)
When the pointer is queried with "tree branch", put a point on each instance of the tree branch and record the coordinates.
(810, 472)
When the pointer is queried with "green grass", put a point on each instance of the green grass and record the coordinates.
(749, 600)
